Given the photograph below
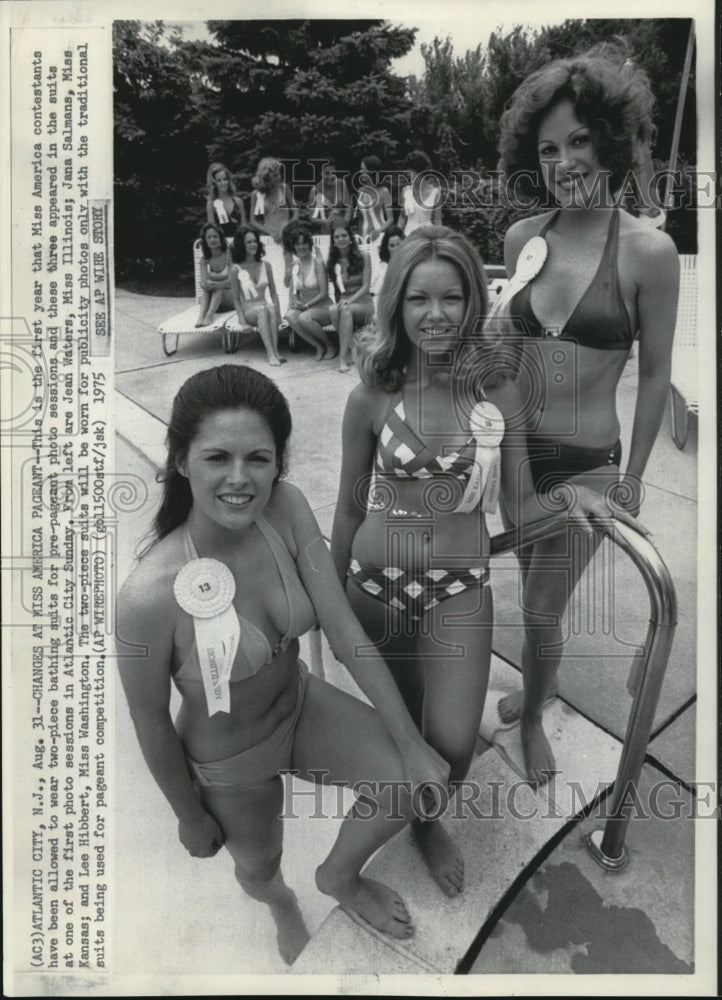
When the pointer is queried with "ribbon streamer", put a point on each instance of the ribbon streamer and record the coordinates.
(487, 427)
(247, 287)
(221, 213)
(339, 278)
(260, 203)
(204, 588)
(528, 265)
(296, 277)
(409, 203)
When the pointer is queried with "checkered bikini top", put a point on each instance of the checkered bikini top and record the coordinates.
(401, 452)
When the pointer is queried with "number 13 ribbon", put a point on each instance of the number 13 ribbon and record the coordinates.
(205, 588)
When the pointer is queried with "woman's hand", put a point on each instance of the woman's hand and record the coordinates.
(627, 495)
(589, 506)
(202, 837)
(424, 766)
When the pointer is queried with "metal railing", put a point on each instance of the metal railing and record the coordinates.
(607, 847)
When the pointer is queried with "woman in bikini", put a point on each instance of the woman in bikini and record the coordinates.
(390, 242)
(414, 549)
(215, 274)
(272, 205)
(373, 201)
(254, 290)
(350, 272)
(310, 303)
(608, 278)
(421, 198)
(238, 571)
(224, 206)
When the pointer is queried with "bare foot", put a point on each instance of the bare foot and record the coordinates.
(444, 861)
(320, 354)
(376, 903)
(330, 354)
(343, 367)
(538, 756)
(510, 706)
(274, 361)
(291, 935)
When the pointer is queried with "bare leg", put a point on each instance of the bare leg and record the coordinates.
(293, 317)
(250, 819)
(258, 316)
(442, 673)
(346, 740)
(345, 333)
(311, 321)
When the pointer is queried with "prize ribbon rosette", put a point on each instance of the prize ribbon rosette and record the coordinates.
(529, 264)
(247, 287)
(296, 277)
(487, 427)
(205, 588)
(260, 204)
(221, 213)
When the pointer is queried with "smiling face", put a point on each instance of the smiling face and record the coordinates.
(393, 244)
(434, 305)
(250, 245)
(568, 159)
(213, 240)
(231, 467)
(341, 239)
(221, 179)
(301, 246)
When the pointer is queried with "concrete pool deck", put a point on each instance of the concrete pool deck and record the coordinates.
(535, 900)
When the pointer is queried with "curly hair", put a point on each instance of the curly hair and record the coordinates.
(267, 175)
(355, 257)
(202, 237)
(383, 351)
(238, 249)
(225, 387)
(610, 96)
(292, 231)
(418, 161)
(384, 253)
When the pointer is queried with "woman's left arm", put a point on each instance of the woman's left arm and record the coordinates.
(350, 643)
(657, 266)
(239, 205)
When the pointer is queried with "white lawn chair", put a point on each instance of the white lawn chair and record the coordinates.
(184, 322)
(683, 387)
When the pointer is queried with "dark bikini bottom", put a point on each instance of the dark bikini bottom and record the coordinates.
(552, 463)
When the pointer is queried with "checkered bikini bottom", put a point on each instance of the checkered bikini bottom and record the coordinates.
(415, 593)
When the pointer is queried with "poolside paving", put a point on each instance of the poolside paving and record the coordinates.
(558, 916)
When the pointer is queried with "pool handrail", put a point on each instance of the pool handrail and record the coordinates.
(609, 849)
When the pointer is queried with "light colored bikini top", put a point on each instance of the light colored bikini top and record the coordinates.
(254, 649)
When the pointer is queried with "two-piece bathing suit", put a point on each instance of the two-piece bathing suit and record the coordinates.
(601, 321)
(261, 762)
(402, 454)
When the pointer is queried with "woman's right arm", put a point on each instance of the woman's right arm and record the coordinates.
(144, 620)
(237, 294)
(358, 446)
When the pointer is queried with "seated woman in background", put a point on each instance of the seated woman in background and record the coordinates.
(309, 303)
(373, 201)
(421, 197)
(254, 290)
(224, 206)
(237, 572)
(350, 271)
(390, 242)
(215, 274)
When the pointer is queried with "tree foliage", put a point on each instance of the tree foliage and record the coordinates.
(303, 89)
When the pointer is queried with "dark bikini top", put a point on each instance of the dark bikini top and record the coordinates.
(600, 319)
(254, 649)
(401, 452)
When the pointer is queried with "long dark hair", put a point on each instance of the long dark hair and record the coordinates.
(238, 250)
(226, 387)
(355, 257)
